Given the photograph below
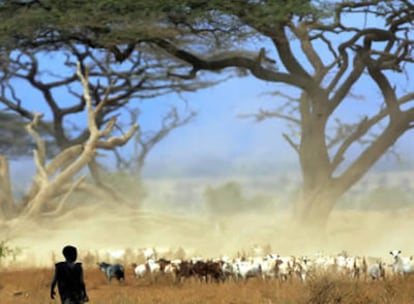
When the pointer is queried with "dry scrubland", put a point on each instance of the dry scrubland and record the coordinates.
(91, 228)
(32, 286)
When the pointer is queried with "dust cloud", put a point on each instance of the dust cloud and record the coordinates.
(92, 228)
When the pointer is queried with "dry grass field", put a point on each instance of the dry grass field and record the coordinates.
(32, 286)
(27, 279)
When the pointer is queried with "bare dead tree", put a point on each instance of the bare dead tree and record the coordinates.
(59, 175)
(142, 76)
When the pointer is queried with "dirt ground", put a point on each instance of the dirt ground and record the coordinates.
(92, 229)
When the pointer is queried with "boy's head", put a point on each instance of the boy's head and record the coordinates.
(70, 253)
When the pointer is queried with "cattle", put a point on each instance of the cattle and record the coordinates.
(116, 271)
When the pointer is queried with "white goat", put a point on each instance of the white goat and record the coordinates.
(302, 266)
(247, 269)
(323, 264)
(268, 266)
(355, 266)
(140, 270)
(402, 265)
(284, 267)
(376, 271)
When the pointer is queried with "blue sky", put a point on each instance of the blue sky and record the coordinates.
(218, 139)
(218, 134)
(218, 142)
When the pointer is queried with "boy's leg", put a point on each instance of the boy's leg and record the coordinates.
(69, 301)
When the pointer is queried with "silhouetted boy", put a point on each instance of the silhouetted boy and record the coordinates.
(69, 279)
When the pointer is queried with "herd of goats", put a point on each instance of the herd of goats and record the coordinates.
(269, 266)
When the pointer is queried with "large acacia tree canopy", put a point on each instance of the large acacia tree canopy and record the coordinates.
(97, 23)
(110, 23)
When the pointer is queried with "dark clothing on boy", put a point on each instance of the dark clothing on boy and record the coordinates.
(69, 279)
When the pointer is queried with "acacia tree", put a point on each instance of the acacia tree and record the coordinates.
(59, 176)
(34, 31)
(322, 49)
(325, 56)
(143, 76)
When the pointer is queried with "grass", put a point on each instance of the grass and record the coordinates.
(361, 233)
(31, 285)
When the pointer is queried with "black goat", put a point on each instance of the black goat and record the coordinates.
(113, 271)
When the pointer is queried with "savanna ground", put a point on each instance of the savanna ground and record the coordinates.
(32, 286)
(27, 279)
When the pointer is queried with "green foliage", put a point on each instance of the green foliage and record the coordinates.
(228, 199)
(7, 251)
(129, 187)
(15, 141)
(102, 23)
(105, 23)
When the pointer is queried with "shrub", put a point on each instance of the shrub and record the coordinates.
(7, 251)
(228, 199)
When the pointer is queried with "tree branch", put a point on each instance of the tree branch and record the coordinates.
(237, 59)
(291, 143)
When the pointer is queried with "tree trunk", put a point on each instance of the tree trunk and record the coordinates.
(7, 206)
(314, 207)
(53, 178)
(317, 199)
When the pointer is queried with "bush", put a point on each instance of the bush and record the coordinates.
(7, 251)
(228, 199)
(129, 187)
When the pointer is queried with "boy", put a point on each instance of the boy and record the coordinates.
(69, 279)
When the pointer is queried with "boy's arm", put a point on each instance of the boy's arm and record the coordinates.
(83, 286)
(53, 285)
